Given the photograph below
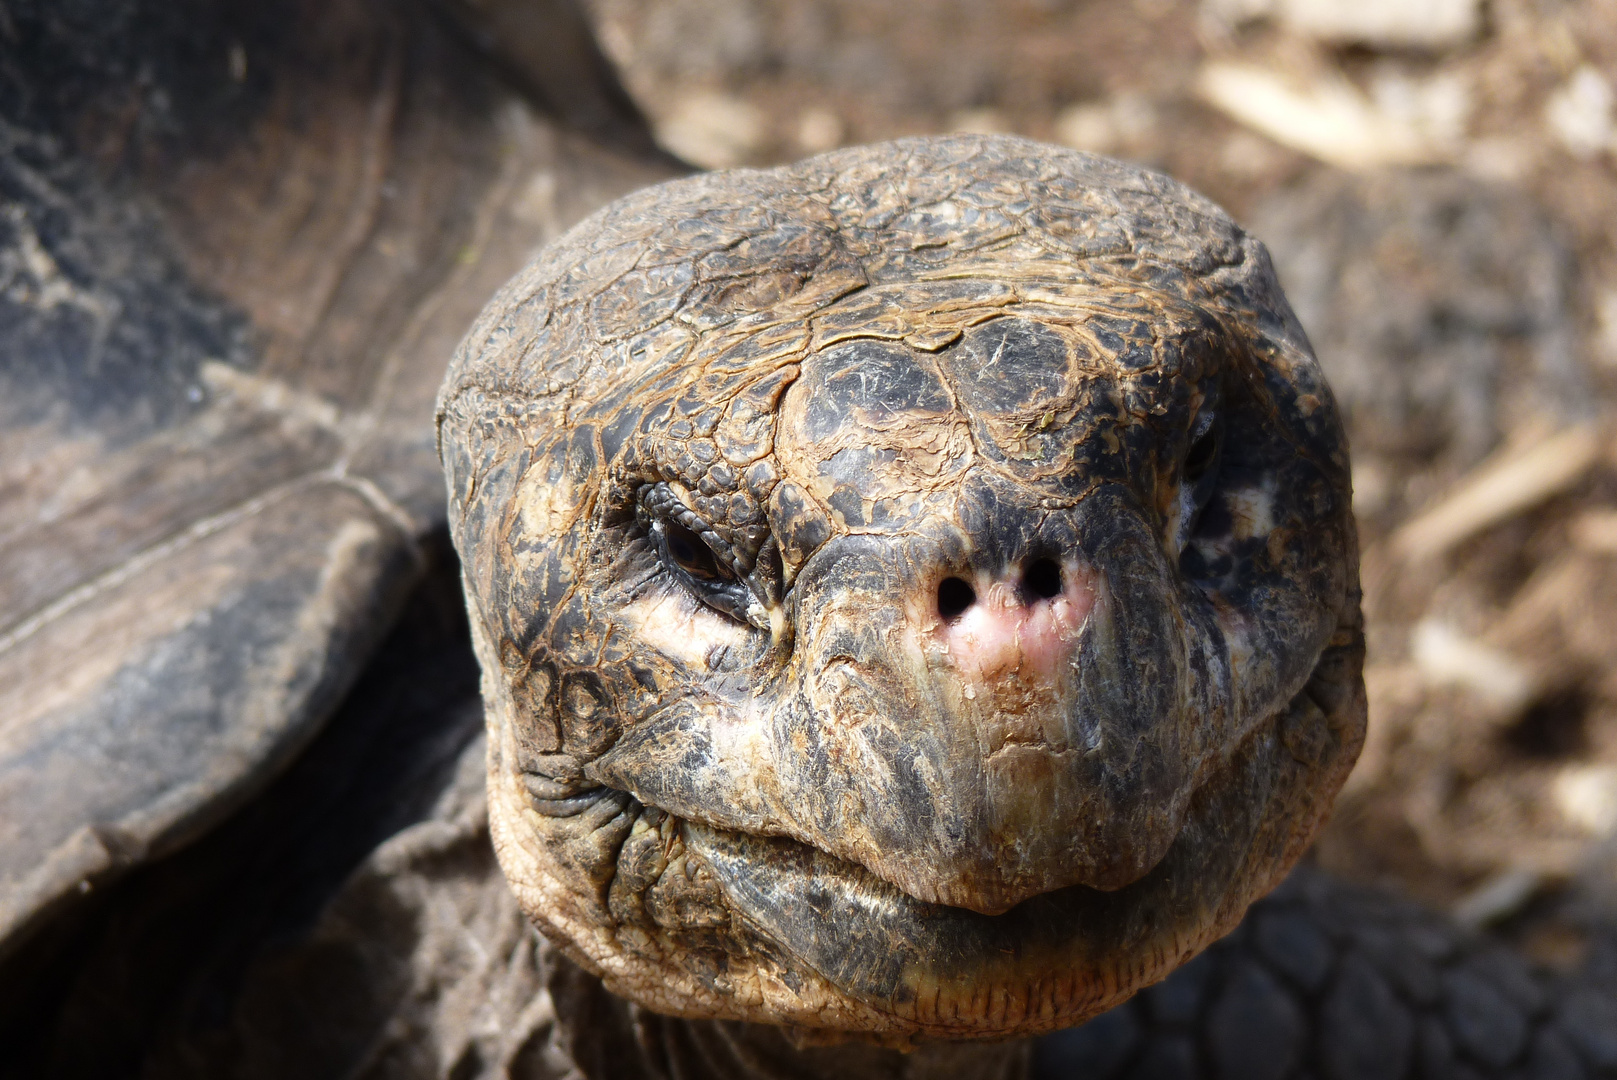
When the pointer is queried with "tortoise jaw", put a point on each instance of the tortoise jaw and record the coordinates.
(1051, 959)
(807, 938)
(884, 947)
(985, 855)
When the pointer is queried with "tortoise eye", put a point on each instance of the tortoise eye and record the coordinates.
(687, 551)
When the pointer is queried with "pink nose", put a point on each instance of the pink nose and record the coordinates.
(1022, 622)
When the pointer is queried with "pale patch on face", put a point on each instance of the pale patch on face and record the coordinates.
(1006, 632)
(547, 506)
(1251, 511)
(740, 736)
(681, 628)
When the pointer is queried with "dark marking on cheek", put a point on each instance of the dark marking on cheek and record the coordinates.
(1216, 519)
(1193, 563)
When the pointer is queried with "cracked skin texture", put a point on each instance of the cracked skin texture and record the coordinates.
(916, 588)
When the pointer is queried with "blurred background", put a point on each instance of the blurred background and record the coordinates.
(1435, 181)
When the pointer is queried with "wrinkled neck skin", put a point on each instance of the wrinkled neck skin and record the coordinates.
(609, 1038)
(717, 1050)
(761, 1052)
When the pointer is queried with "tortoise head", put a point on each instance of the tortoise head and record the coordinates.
(916, 588)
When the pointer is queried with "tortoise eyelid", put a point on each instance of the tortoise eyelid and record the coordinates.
(693, 555)
(700, 569)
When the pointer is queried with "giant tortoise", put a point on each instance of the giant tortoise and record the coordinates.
(914, 590)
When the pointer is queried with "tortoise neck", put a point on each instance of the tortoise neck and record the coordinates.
(608, 1037)
(735, 1051)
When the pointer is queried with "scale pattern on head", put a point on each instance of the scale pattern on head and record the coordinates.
(916, 588)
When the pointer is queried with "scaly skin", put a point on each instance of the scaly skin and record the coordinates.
(916, 589)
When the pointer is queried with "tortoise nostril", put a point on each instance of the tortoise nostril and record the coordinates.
(954, 597)
(1043, 579)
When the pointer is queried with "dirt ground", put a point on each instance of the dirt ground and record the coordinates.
(1438, 183)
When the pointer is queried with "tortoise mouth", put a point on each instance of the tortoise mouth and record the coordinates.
(928, 962)
(702, 837)
(1053, 955)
